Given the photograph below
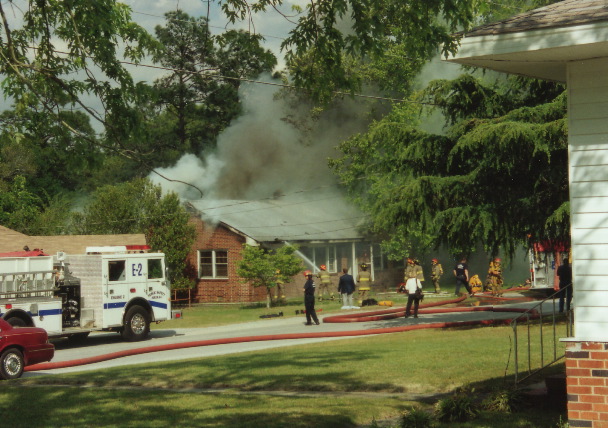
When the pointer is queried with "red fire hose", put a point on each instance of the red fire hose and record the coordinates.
(361, 317)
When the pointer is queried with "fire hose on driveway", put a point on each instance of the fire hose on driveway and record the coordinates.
(359, 317)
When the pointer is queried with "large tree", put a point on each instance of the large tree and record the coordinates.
(35, 146)
(57, 53)
(140, 207)
(198, 95)
(497, 176)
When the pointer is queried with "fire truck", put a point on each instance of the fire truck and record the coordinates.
(545, 258)
(121, 289)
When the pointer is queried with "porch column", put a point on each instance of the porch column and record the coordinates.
(587, 352)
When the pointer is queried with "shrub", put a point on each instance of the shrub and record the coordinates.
(457, 408)
(416, 418)
(504, 401)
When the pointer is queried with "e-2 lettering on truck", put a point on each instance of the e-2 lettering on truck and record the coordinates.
(121, 289)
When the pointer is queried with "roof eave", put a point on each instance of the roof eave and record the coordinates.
(542, 53)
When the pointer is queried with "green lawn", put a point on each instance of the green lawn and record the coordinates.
(299, 386)
(213, 315)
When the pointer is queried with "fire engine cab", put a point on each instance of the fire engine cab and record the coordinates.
(120, 289)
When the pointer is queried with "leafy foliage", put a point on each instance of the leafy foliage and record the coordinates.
(416, 418)
(263, 268)
(459, 407)
(18, 207)
(504, 400)
(140, 207)
(198, 97)
(35, 146)
(96, 36)
(497, 177)
(328, 32)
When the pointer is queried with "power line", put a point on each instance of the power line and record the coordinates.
(208, 25)
(261, 82)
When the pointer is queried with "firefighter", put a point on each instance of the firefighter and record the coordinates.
(364, 279)
(476, 284)
(436, 273)
(280, 288)
(325, 280)
(413, 266)
(494, 279)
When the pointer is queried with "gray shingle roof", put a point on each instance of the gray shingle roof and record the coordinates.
(325, 217)
(562, 14)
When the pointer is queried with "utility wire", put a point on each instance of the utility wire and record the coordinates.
(261, 82)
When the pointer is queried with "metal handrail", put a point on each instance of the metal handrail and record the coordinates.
(537, 312)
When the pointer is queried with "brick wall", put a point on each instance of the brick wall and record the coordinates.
(221, 290)
(587, 384)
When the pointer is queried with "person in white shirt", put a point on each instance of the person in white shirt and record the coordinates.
(411, 285)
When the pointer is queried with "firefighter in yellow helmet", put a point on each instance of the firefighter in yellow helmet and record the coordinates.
(494, 279)
(280, 288)
(413, 267)
(325, 280)
(436, 273)
(364, 279)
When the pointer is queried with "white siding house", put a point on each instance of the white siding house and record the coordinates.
(588, 159)
(568, 42)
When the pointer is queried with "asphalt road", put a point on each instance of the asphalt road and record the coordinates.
(105, 343)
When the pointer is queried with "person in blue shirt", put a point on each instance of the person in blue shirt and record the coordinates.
(346, 287)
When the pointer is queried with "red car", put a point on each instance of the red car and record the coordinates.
(20, 347)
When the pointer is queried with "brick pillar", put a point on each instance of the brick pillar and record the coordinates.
(587, 383)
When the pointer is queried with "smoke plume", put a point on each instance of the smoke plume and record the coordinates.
(273, 149)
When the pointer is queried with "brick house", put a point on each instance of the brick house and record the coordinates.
(325, 231)
(567, 42)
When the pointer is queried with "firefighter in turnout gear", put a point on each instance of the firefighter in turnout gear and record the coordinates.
(280, 288)
(436, 273)
(494, 279)
(475, 284)
(364, 279)
(325, 280)
(413, 267)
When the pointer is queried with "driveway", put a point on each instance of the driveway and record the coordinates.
(104, 343)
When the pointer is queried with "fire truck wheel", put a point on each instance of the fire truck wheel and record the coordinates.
(16, 322)
(11, 364)
(137, 324)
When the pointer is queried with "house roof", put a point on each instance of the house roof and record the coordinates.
(562, 14)
(540, 43)
(11, 240)
(325, 217)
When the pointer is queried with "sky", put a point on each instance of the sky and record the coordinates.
(260, 133)
(273, 26)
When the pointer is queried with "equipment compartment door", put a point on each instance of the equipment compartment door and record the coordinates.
(117, 292)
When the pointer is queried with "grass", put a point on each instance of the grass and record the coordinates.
(299, 386)
(214, 315)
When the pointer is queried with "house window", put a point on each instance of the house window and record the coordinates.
(213, 264)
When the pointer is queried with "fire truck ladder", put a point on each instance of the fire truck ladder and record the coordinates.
(26, 284)
(539, 347)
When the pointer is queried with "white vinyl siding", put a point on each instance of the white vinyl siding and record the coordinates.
(588, 169)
